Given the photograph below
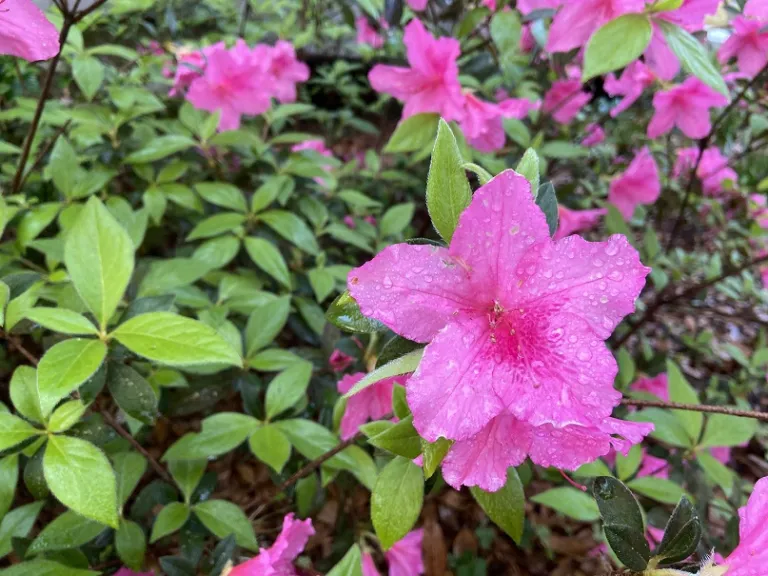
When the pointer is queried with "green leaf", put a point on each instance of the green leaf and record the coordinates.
(622, 522)
(403, 365)
(323, 283)
(396, 500)
(433, 454)
(268, 192)
(395, 220)
(215, 225)
(505, 507)
(61, 320)
(350, 565)
(175, 340)
(563, 150)
(158, 148)
(270, 446)
(659, 489)
(88, 72)
(726, 430)
(529, 168)
(45, 568)
(129, 468)
(187, 474)
(569, 501)
(23, 391)
(70, 530)
(223, 518)
(222, 194)
(483, 176)
(400, 439)
(547, 201)
(35, 221)
(681, 391)
(627, 465)
(9, 477)
(64, 367)
(413, 133)
(269, 259)
(80, 476)
(265, 323)
(616, 44)
(344, 313)
(166, 275)
(287, 388)
(716, 471)
(132, 393)
(170, 519)
(448, 191)
(99, 257)
(131, 544)
(220, 433)
(667, 427)
(5, 292)
(292, 228)
(17, 524)
(692, 55)
(66, 416)
(681, 535)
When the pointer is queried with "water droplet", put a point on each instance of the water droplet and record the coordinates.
(611, 249)
(597, 262)
(583, 354)
(387, 283)
(616, 276)
(514, 229)
(604, 299)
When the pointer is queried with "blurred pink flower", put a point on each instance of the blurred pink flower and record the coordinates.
(482, 124)
(572, 221)
(350, 222)
(759, 210)
(190, 65)
(128, 572)
(528, 6)
(371, 220)
(713, 169)
(25, 32)
(417, 5)
(234, 82)
(278, 560)
(652, 466)
(748, 44)
(527, 40)
(564, 100)
(284, 71)
(339, 361)
(367, 34)
(372, 403)
(751, 555)
(317, 145)
(575, 22)
(657, 386)
(431, 84)
(516, 325)
(633, 81)
(639, 184)
(756, 9)
(594, 135)
(721, 453)
(490, 4)
(369, 566)
(686, 106)
(404, 557)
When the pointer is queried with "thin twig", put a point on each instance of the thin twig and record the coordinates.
(42, 154)
(696, 408)
(88, 10)
(15, 342)
(244, 18)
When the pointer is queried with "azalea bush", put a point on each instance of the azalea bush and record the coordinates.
(353, 288)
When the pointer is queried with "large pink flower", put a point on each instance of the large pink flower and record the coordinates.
(572, 221)
(564, 100)
(751, 555)
(372, 403)
(578, 19)
(639, 184)
(713, 169)
(635, 78)
(278, 560)
(748, 44)
(685, 106)
(190, 65)
(234, 82)
(26, 32)
(285, 71)
(515, 322)
(431, 84)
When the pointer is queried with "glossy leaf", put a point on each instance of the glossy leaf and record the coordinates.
(505, 507)
(396, 500)
(622, 522)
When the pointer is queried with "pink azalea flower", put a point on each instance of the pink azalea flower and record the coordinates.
(528, 6)
(371, 220)
(517, 107)
(578, 19)
(751, 555)
(128, 572)
(652, 466)
(278, 560)
(339, 361)
(372, 403)
(190, 65)
(657, 386)
(317, 145)
(759, 210)
(564, 100)
(756, 9)
(595, 135)
(686, 106)
(490, 4)
(516, 362)
(350, 222)
(431, 84)
(25, 32)
(285, 71)
(639, 184)
(527, 40)
(633, 81)
(369, 566)
(748, 44)
(572, 221)
(233, 82)
(418, 5)
(690, 14)
(404, 557)
(721, 453)
(482, 123)
(367, 34)
(713, 169)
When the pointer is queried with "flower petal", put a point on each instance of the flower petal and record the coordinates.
(26, 32)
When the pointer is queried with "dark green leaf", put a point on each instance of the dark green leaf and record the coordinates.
(682, 534)
(344, 313)
(547, 201)
(505, 507)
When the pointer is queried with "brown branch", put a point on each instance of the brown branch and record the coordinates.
(668, 296)
(42, 154)
(88, 10)
(696, 408)
(15, 342)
